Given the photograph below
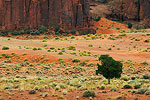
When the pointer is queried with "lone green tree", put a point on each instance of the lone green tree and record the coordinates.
(109, 68)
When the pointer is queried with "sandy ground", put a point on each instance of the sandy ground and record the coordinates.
(129, 50)
(134, 54)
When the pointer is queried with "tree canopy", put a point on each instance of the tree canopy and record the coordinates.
(109, 68)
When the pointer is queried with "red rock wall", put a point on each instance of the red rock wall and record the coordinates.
(15, 14)
(131, 9)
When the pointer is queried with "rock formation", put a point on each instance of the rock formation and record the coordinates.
(17, 14)
(137, 10)
(130, 10)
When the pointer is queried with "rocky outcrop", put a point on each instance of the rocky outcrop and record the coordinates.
(137, 10)
(129, 10)
(16, 14)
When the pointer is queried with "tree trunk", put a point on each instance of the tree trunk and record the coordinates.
(108, 81)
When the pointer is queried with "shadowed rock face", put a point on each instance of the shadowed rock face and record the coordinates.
(16, 14)
(133, 7)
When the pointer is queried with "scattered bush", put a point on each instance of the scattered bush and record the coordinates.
(73, 32)
(17, 32)
(89, 94)
(64, 92)
(5, 48)
(34, 49)
(57, 28)
(144, 63)
(137, 86)
(146, 76)
(102, 87)
(130, 25)
(34, 32)
(146, 40)
(76, 60)
(127, 87)
(97, 19)
(42, 29)
(57, 33)
(71, 48)
(113, 89)
(3, 33)
(27, 30)
(141, 91)
(109, 48)
(90, 45)
(32, 92)
(60, 53)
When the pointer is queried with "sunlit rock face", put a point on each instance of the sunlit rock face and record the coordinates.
(17, 14)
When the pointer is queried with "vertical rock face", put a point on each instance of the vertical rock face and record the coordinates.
(137, 8)
(134, 10)
(15, 14)
(131, 9)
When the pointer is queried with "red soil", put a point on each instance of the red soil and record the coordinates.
(105, 26)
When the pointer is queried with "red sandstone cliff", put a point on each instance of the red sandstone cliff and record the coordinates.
(16, 14)
(135, 9)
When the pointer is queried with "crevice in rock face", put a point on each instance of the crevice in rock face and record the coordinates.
(11, 11)
(48, 9)
(27, 9)
(76, 16)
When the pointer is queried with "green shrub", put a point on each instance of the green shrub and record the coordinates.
(45, 37)
(7, 87)
(123, 34)
(42, 29)
(34, 32)
(137, 86)
(52, 48)
(32, 92)
(6, 56)
(76, 60)
(127, 87)
(56, 33)
(97, 19)
(89, 94)
(90, 45)
(3, 33)
(57, 28)
(90, 64)
(39, 48)
(60, 53)
(141, 91)
(146, 40)
(130, 25)
(109, 48)
(71, 48)
(144, 63)
(17, 32)
(113, 89)
(5, 48)
(73, 31)
(102, 87)
(27, 30)
(146, 76)
(34, 49)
